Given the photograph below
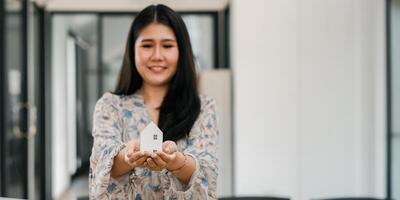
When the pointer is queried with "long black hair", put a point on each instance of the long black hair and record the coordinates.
(181, 105)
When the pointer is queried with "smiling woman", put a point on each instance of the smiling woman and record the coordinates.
(157, 84)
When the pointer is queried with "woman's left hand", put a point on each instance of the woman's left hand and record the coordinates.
(159, 160)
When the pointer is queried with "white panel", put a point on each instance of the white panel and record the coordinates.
(217, 84)
(309, 98)
(60, 176)
(342, 137)
(265, 93)
(71, 105)
(326, 98)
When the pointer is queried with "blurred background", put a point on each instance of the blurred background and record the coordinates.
(308, 92)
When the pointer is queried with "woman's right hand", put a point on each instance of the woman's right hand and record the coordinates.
(133, 156)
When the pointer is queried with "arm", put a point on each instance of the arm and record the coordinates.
(202, 149)
(107, 143)
(108, 163)
(120, 167)
(183, 166)
(183, 169)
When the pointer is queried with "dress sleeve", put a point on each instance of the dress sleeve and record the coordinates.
(107, 130)
(202, 146)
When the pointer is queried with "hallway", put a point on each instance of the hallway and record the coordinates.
(307, 93)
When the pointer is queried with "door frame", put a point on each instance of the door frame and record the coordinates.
(388, 8)
(2, 77)
(41, 175)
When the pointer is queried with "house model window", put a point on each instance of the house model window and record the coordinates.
(151, 138)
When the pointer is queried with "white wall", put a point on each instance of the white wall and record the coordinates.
(59, 133)
(264, 72)
(309, 97)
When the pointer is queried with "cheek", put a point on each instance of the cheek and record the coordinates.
(140, 58)
(173, 58)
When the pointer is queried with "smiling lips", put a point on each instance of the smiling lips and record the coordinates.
(157, 69)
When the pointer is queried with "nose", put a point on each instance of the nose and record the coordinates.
(157, 53)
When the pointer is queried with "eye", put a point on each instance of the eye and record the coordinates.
(168, 46)
(147, 46)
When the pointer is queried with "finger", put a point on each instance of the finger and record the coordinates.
(165, 146)
(135, 156)
(161, 163)
(166, 157)
(140, 161)
(169, 146)
(128, 151)
(151, 163)
(136, 148)
(136, 145)
(131, 145)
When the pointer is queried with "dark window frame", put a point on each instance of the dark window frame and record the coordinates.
(41, 160)
(2, 76)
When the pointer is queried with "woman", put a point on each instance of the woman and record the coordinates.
(157, 83)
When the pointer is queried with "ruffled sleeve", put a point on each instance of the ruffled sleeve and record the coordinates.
(202, 146)
(107, 130)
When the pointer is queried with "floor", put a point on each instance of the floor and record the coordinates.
(78, 189)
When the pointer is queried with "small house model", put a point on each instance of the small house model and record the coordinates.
(151, 138)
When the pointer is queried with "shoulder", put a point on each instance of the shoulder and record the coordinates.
(121, 104)
(108, 102)
(109, 99)
(207, 102)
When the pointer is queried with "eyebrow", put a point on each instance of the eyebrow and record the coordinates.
(164, 40)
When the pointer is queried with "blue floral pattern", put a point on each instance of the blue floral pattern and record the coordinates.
(117, 120)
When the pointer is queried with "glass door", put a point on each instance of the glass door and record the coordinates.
(21, 144)
(15, 107)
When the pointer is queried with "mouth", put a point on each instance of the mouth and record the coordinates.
(157, 69)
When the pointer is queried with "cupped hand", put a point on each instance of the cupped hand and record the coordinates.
(133, 156)
(162, 159)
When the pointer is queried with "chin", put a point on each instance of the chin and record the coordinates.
(158, 83)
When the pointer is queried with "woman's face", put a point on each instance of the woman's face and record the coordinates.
(156, 54)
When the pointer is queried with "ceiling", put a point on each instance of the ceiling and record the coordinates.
(130, 5)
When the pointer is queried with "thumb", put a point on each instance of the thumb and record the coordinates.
(136, 145)
(169, 146)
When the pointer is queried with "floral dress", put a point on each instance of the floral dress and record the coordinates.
(119, 119)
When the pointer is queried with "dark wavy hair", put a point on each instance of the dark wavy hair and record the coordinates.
(181, 105)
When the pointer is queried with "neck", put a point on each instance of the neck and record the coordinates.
(153, 95)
